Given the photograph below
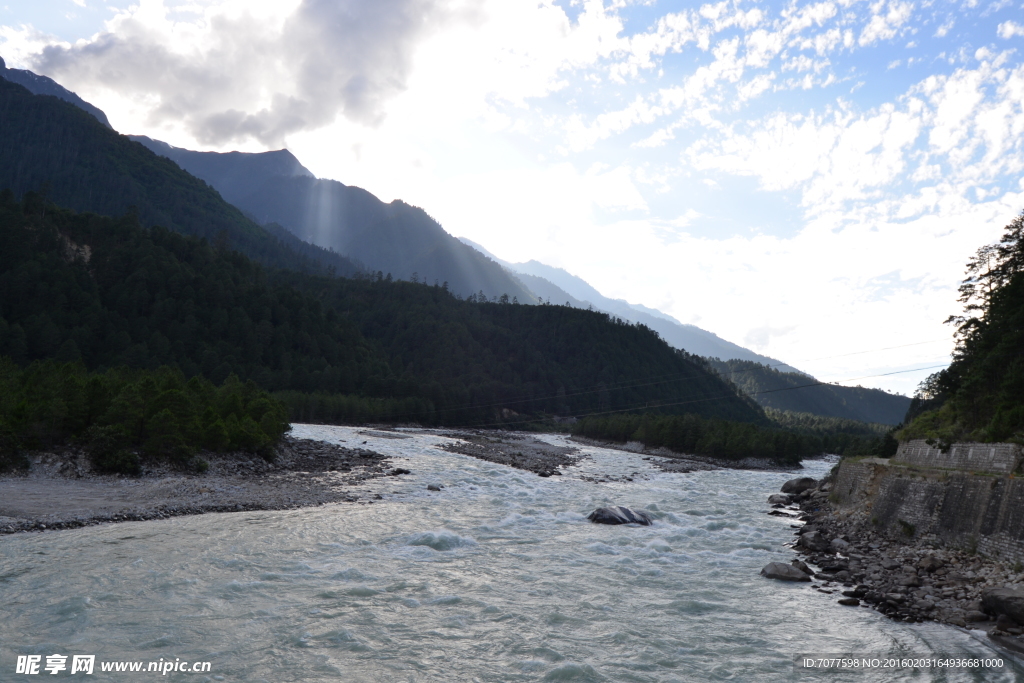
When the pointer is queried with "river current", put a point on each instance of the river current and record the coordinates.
(498, 577)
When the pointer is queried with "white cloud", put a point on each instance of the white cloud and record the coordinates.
(886, 20)
(1010, 29)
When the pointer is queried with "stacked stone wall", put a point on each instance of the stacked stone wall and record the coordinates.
(1001, 458)
(967, 498)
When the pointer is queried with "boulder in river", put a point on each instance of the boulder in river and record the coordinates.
(778, 499)
(799, 485)
(1006, 601)
(783, 572)
(617, 514)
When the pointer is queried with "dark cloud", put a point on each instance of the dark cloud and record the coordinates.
(254, 80)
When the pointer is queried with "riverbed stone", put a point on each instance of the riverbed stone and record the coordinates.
(802, 567)
(1006, 601)
(814, 541)
(617, 514)
(778, 499)
(783, 572)
(839, 545)
(799, 485)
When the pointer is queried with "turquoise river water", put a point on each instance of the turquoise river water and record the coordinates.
(499, 577)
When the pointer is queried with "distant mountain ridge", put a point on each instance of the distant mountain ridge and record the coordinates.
(790, 392)
(396, 238)
(55, 148)
(559, 286)
(42, 85)
(46, 147)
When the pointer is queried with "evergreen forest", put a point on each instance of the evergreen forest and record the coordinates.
(980, 396)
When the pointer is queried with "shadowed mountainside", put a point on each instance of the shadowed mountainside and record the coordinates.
(788, 391)
(395, 238)
(52, 146)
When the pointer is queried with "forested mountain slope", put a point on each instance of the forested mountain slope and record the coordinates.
(54, 147)
(980, 396)
(789, 391)
(559, 286)
(109, 292)
(395, 238)
(42, 85)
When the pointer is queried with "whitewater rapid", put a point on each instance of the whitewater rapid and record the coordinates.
(497, 577)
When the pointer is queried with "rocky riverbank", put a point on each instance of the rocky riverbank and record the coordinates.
(903, 578)
(521, 451)
(670, 461)
(60, 490)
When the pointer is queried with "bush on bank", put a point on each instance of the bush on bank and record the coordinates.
(122, 415)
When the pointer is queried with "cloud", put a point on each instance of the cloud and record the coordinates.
(1009, 29)
(235, 74)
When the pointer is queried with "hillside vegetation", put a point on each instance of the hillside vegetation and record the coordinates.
(119, 414)
(53, 147)
(110, 293)
(794, 392)
(980, 396)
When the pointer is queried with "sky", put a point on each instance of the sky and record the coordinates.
(806, 179)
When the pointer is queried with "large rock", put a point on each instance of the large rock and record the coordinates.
(783, 572)
(778, 499)
(617, 514)
(799, 485)
(839, 545)
(1006, 601)
(814, 541)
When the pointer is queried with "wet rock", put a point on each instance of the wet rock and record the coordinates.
(799, 485)
(618, 514)
(1005, 623)
(849, 602)
(399, 470)
(783, 572)
(1006, 601)
(434, 487)
(778, 499)
(975, 615)
(802, 567)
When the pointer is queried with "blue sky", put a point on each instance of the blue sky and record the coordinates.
(803, 178)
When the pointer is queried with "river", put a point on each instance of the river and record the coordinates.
(498, 577)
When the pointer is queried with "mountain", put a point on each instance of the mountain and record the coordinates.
(395, 238)
(51, 146)
(789, 391)
(108, 292)
(559, 286)
(41, 85)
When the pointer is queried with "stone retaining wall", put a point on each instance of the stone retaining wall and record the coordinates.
(1001, 458)
(967, 498)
